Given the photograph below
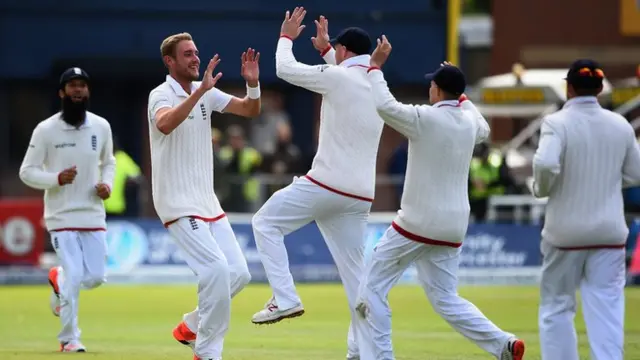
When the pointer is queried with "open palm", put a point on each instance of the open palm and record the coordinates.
(250, 65)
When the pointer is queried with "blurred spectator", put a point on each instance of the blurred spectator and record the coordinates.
(265, 129)
(286, 159)
(240, 162)
(398, 165)
(488, 175)
(220, 178)
(127, 182)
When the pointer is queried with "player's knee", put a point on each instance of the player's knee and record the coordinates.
(443, 303)
(213, 270)
(257, 221)
(93, 282)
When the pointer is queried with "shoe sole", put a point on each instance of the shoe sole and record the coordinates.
(277, 320)
(518, 350)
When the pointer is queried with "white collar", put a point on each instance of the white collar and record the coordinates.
(581, 100)
(361, 60)
(66, 126)
(454, 103)
(177, 88)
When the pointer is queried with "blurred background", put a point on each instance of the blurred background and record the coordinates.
(515, 55)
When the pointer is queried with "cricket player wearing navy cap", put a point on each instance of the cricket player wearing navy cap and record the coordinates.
(70, 157)
(338, 190)
(434, 211)
(585, 157)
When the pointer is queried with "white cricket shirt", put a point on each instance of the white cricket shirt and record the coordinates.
(585, 156)
(350, 127)
(55, 146)
(434, 208)
(182, 161)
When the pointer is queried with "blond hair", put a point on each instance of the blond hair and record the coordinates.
(169, 44)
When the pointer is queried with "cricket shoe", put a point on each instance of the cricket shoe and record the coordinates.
(271, 314)
(54, 299)
(183, 335)
(195, 357)
(72, 346)
(514, 350)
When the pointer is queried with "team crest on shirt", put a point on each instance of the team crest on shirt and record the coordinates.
(203, 110)
(94, 142)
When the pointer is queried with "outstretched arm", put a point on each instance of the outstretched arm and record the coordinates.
(401, 117)
(249, 106)
(319, 78)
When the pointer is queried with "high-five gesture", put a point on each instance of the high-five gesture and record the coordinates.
(250, 67)
(292, 24)
(381, 53)
(208, 80)
(321, 40)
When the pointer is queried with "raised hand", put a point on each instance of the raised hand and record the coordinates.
(250, 70)
(321, 40)
(381, 53)
(292, 24)
(208, 80)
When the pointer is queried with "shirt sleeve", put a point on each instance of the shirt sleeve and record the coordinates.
(318, 78)
(631, 165)
(330, 56)
(218, 99)
(546, 161)
(32, 170)
(107, 160)
(403, 118)
(483, 129)
(157, 101)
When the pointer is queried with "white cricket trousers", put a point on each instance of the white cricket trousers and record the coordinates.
(83, 257)
(213, 253)
(342, 220)
(600, 276)
(437, 268)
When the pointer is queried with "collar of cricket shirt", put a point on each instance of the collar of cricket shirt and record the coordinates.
(581, 100)
(359, 60)
(447, 103)
(66, 126)
(177, 88)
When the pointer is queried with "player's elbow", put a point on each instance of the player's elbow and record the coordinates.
(546, 164)
(164, 126)
(24, 175)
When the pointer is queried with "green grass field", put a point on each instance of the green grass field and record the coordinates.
(135, 322)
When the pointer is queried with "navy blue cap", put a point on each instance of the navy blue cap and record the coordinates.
(71, 74)
(354, 39)
(450, 79)
(585, 74)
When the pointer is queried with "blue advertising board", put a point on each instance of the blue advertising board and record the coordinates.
(143, 250)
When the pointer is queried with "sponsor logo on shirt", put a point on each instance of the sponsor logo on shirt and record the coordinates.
(94, 142)
(64, 145)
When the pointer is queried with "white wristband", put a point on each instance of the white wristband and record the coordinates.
(253, 92)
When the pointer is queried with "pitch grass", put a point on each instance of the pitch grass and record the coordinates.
(135, 322)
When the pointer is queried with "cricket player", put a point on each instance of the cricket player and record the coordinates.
(182, 184)
(585, 157)
(70, 157)
(434, 211)
(338, 190)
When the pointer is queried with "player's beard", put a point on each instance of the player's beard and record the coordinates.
(74, 112)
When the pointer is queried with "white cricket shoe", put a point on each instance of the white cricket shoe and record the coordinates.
(271, 314)
(72, 346)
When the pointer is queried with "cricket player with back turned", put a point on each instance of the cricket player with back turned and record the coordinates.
(434, 211)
